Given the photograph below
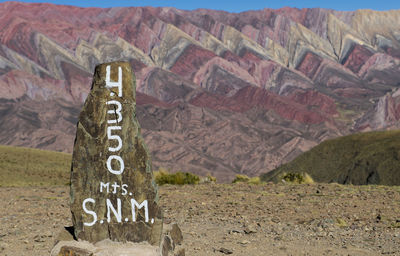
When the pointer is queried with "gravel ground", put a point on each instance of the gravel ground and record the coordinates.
(237, 219)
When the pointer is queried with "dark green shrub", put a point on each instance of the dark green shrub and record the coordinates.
(179, 178)
(241, 178)
(298, 178)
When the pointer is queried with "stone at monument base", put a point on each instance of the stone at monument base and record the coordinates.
(104, 248)
(171, 245)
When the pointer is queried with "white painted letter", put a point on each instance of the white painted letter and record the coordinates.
(116, 111)
(117, 213)
(90, 200)
(118, 84)
(146, 209)
(124, 191)
(121, 164)
(105, 185)
(114, 137)
(115, 186)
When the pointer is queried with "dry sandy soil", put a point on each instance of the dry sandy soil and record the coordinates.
(237, 219)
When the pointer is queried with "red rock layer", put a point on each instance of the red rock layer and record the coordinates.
(191, 60)
(356, 57)
(252, 97)
(310, 64)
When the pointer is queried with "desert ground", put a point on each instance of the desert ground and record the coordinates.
(236, 219)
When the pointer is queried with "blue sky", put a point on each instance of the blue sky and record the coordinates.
(242, 5)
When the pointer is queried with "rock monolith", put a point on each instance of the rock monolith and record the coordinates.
(113, 193)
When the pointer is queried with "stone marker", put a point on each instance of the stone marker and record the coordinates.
(113, 193)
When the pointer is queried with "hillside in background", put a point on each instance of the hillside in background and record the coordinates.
(359, 159)
(33, 167)
(217, 92)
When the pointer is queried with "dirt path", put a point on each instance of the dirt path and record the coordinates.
(318, 219)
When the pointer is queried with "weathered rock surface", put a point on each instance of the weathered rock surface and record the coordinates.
(172, 239)
(103, 248)
(74, 251)
(113, 194)
(176, 234)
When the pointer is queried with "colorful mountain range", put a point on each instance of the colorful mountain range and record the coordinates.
(217, 92)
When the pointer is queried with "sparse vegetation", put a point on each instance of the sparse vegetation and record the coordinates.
(341, 223)
(241, 178)
(21, 167)
(162, 177)
(208, 179)
(246, 179)
(297, 178)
